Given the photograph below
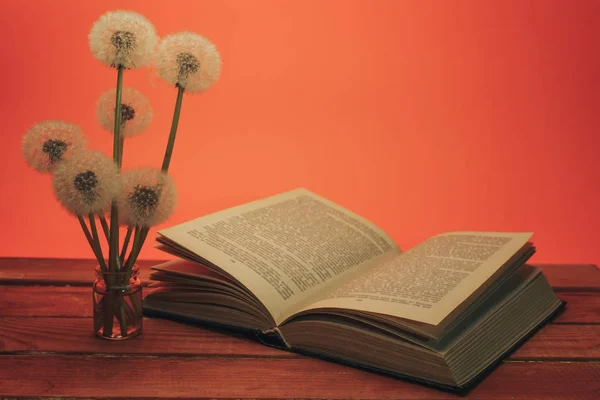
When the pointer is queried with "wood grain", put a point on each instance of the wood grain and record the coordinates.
(562, 342)
(54, 271)
(168, 338)
(582, 308)
(541, 380)
(45, 301)
(277, 378)
(160, 338)
(572, 277)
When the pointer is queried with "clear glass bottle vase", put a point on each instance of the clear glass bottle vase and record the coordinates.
(117, 304)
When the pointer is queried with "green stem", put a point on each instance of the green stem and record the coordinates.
(131, 316)
(95, 238)
(122, 316)
(93, 228)
(121, 144)
(117, 128)
(90, 240)
(105, 228)
(126, 244)
(114, 210)
(173, 133)
(85, 229)
(118, 263)
(136, 252)
(137, 305)
(134, 246)
(109, 305)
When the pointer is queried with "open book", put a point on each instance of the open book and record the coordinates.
(308, 275)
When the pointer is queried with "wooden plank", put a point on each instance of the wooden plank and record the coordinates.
(572, 277)
(159, 337)
(55, 271)
(79, 272)
(541, 380)
(49, 301)
(168, 338)
(45, 301)
(582, 307)
(562, 342)
(200, 377)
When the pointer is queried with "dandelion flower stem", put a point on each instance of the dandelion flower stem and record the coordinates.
(117, 130)
(121, 143)
(135, 251)
(174, 124)
(114, 210)
(90, 240)
(126, 244)
(95, 238)
(93, 228)
(105, 228)
(122, 316)
(134, 246)
(114, 236)
(141, 234)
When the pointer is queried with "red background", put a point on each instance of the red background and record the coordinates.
(424, 117)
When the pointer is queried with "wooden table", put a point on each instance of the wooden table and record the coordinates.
(47, 349)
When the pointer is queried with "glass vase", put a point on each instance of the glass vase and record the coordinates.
(117, 304)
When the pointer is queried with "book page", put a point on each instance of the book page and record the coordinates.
(285, 248)
(429, 281)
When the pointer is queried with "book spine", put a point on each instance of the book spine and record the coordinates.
(274, 338)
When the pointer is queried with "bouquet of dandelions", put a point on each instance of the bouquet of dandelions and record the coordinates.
(91, 186)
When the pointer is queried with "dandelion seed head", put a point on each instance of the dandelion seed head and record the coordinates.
(127, 112)
(148, 197)
(54, 148)
(188, 64)
(123, 38)
(48, 143)
(87, 182)
(124, 42)
(188, 60)
(136, 111)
